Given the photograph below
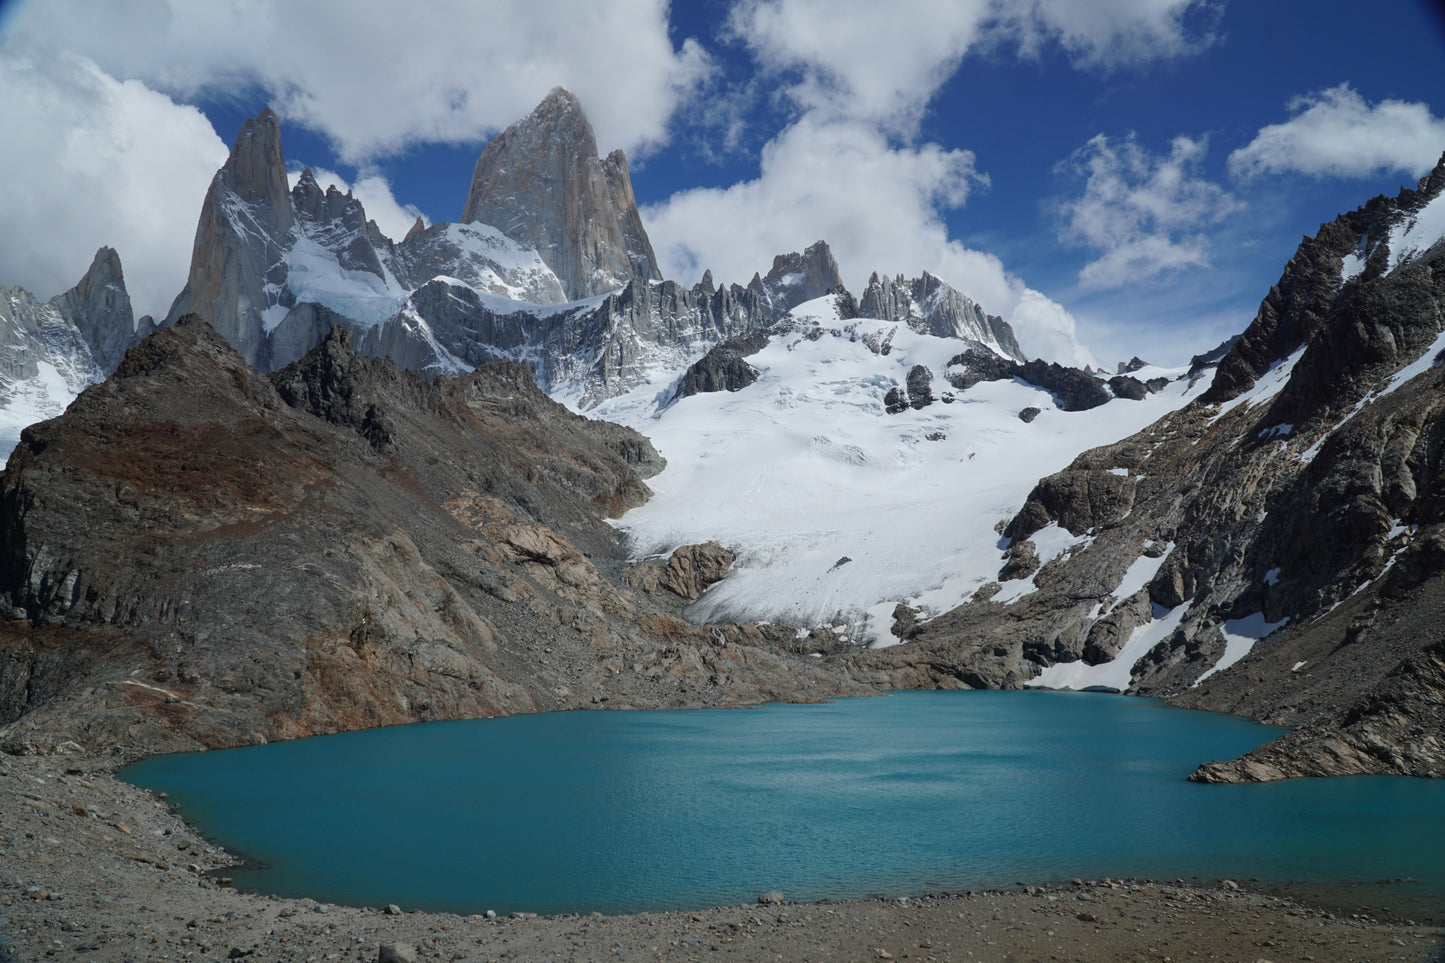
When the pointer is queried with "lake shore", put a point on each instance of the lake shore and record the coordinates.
(95, 866)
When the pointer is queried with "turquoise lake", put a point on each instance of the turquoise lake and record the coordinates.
(910, 793)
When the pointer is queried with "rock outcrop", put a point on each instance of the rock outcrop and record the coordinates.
(930, 306)
(198, 555)
(542, 183)
(686, 573)
(723, 368)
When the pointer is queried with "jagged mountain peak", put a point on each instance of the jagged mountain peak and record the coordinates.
(1433, 183)
(931, 305)
(1381, 237)
(542, 184)
(796, 278)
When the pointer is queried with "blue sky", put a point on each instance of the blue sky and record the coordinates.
(1125, 175)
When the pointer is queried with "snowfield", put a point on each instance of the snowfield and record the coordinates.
(836, 509)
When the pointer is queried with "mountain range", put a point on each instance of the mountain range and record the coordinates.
(335, 487)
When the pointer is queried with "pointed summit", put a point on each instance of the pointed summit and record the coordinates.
(257, 169)
(241, 240)
(542, 184)
(100, 309)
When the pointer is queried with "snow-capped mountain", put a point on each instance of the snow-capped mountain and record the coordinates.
(546, 221)
(841, 504)
(51, 351)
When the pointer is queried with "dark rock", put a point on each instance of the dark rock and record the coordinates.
(1022, 560)
(1073, 390)
(895, 402)
(723, 368)
(920, 387)
(905, 621)
(1027, 415)
(976, 364)
(1125, 387)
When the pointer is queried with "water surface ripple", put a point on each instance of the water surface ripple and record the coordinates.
(910, 793)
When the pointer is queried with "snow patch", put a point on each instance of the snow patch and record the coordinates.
(1239, 637)
(1140, 573)
(314, 274)
(1115, 673)
(1271, 577)
(1351, 267)
(1417, 234)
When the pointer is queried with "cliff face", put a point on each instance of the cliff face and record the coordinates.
(199, 555)
(541, 183)
(238, 268)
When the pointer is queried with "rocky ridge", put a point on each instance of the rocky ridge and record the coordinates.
(277, 269)
(1271, 548)
(198, 555)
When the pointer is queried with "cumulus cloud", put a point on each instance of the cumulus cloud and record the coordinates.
(374, 193)
(877, 205)
(1142, 213)
(858, 59)
(376, 77)
(1336, 133)
(91, 161)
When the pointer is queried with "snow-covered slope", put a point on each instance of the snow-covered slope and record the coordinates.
(837, 509)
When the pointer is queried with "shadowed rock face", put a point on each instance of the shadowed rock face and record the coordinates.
(541, 183)
(198, 555)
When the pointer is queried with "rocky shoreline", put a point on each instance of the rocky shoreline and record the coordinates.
(94, 868)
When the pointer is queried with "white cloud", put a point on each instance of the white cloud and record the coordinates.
(859, 59)
(1141, 212)
(1336, 133)
(375, 195)
(877, 206)
(1116, 33)
(376, 77)
(90, 161)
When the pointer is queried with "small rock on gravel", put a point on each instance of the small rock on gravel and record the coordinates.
(396, 953)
